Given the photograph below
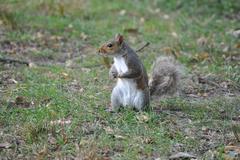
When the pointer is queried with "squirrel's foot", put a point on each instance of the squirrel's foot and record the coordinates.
(110, 110)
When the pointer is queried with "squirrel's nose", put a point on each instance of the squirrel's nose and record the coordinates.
(99, 50)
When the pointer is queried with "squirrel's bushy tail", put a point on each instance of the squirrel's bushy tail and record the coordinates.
(164, 76)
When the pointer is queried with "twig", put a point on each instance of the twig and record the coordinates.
(145, 45)
(8, 60)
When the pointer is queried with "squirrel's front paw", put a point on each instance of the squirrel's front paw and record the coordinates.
(113, 75)
(119, 75)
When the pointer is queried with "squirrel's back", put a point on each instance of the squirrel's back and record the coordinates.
(164, 76)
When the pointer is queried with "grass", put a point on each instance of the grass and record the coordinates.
(73, 84)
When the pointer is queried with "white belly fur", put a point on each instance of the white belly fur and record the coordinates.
(119, 63)
(129, 95)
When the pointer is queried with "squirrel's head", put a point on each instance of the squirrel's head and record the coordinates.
(111, 47)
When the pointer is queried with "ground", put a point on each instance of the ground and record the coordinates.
(56, 106)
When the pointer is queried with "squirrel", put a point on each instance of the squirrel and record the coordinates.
(132, 88)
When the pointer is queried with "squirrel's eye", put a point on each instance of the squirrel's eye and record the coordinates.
(109, 45)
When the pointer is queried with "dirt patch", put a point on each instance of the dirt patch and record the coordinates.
(204, 87)
(45, 48)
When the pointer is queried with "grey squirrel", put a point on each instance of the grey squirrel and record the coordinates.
(132, 88)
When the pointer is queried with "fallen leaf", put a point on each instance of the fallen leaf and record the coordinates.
(224, 85)
(52, 140)
(83, 36)
(174, 34)
(64, 75)
(31, 65)
(170, 51)
(131, 30)
(182, 155)
(42, 154)
(232, 152)
(21, 101)
(236, 33)
(56, 38)
(237, 45)
(165, 16)
(70, 26)
(226, 49)
(5, 145)
(108, 130)
(205, 94)
(13, 81)
(119, 137)
(61, 122)
(142, 118)
(202, 41)
(142, 20)
(148, 140)
(122, 12)
(39, 35)
(69, 63)
(86, 69)
(201, 56)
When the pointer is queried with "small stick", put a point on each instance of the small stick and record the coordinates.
(145, 45)
(8, 60)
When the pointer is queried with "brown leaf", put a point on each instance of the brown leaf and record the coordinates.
(148, 140)
(237, 45)
(201, 56)
(170, 51)
(64, 75)
(202, 41)
(231, 152)
(142, 118)
(21, 101)
(42, 154)
(131, 30)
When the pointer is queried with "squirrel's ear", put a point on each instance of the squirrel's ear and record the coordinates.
(119, 38)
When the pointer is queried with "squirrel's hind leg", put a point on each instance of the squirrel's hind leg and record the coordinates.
(143, 101)
(115, 99)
